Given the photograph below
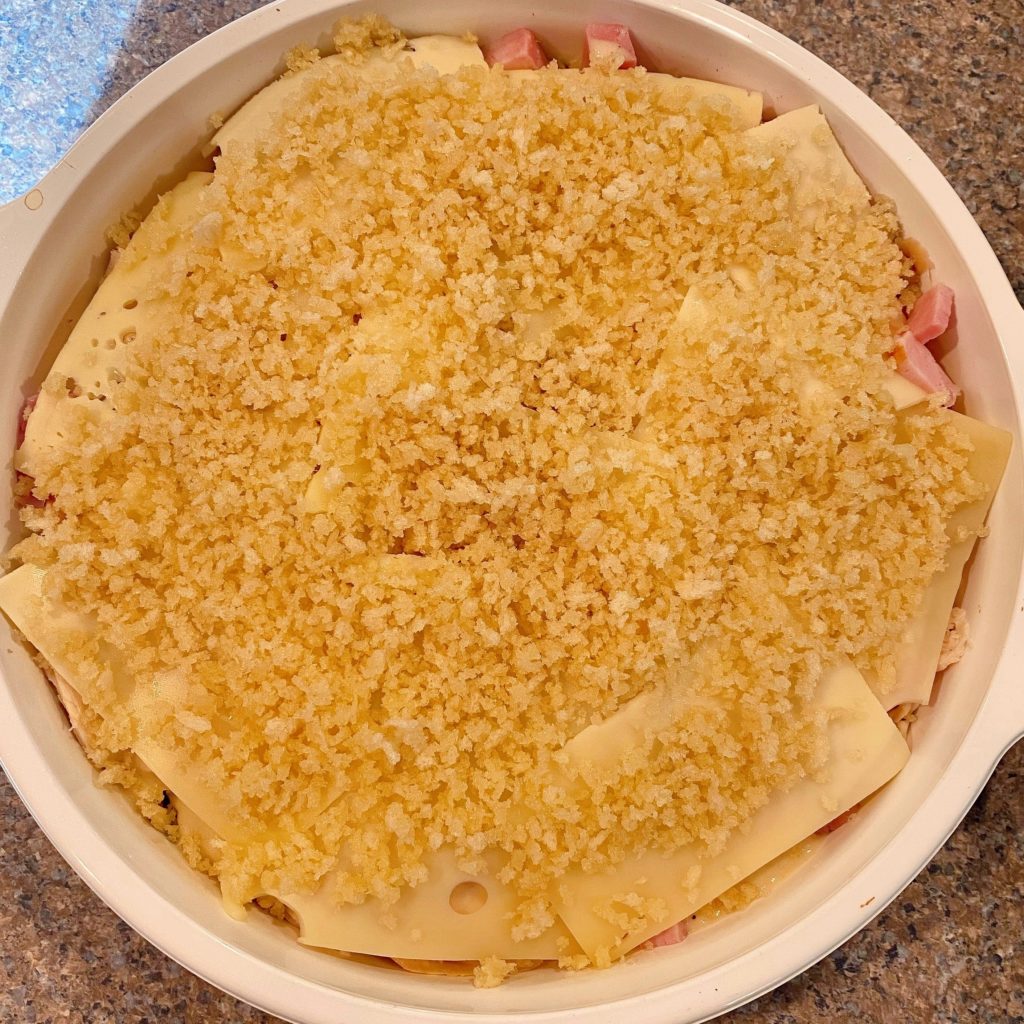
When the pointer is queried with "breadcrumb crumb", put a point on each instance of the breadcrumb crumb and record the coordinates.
(492, 971)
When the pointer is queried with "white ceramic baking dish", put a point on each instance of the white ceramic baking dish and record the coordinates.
(52, 249)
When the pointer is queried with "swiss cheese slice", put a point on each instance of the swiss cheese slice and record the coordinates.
(904, 393)
(749, 104)
(193, 826)
(124, 310)
(918, 654)
(424, 924)
(385, 355)
(206, 804)
(600, 745)
(822, 166)
(54, 632)
(446, 54)
(866, 751)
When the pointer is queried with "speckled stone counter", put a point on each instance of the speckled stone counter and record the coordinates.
(951, 948)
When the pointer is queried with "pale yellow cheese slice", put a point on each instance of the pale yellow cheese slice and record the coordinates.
(423, 924)
(866, 751)
(918, 654)
(903, 392)
(446, 54)
(749, 104)
(742, 276)
(824, 171)
(206, 804)
(385, 355)
(602, 744)
(54, 632)
(193, 826)
(124, 311)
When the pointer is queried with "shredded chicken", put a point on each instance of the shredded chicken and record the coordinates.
(954, 643)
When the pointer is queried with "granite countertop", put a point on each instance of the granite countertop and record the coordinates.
(951, 948)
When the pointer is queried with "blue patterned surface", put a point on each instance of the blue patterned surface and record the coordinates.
(55, 57)
(63, 62)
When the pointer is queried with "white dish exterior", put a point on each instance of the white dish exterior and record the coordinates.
(52, 251)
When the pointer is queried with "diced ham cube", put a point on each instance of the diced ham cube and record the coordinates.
(670, 936)
(918, 365)
(602, 39)
(930, 316)
(518, 51)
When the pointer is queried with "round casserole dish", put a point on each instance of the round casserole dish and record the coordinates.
(52, 253)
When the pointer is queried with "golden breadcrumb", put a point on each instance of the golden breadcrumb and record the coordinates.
(492, 971)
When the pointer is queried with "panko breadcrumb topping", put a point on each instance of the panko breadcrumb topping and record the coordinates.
(451, 297)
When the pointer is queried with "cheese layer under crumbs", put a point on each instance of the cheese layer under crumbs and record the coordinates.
(578, 526)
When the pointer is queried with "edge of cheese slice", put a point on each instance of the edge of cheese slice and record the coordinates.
(50, 631)
(918, 654)
(122, 311)
(749, 104)
(815, 153)
(446, 54)
(904, 393)
(866, 751)
(423, 924)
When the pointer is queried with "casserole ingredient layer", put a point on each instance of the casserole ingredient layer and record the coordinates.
(496, 479)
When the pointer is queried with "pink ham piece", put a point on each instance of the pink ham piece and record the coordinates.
(918, 365)
(601, 38)
(930, 316)
(670, 936)
(518, 51)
